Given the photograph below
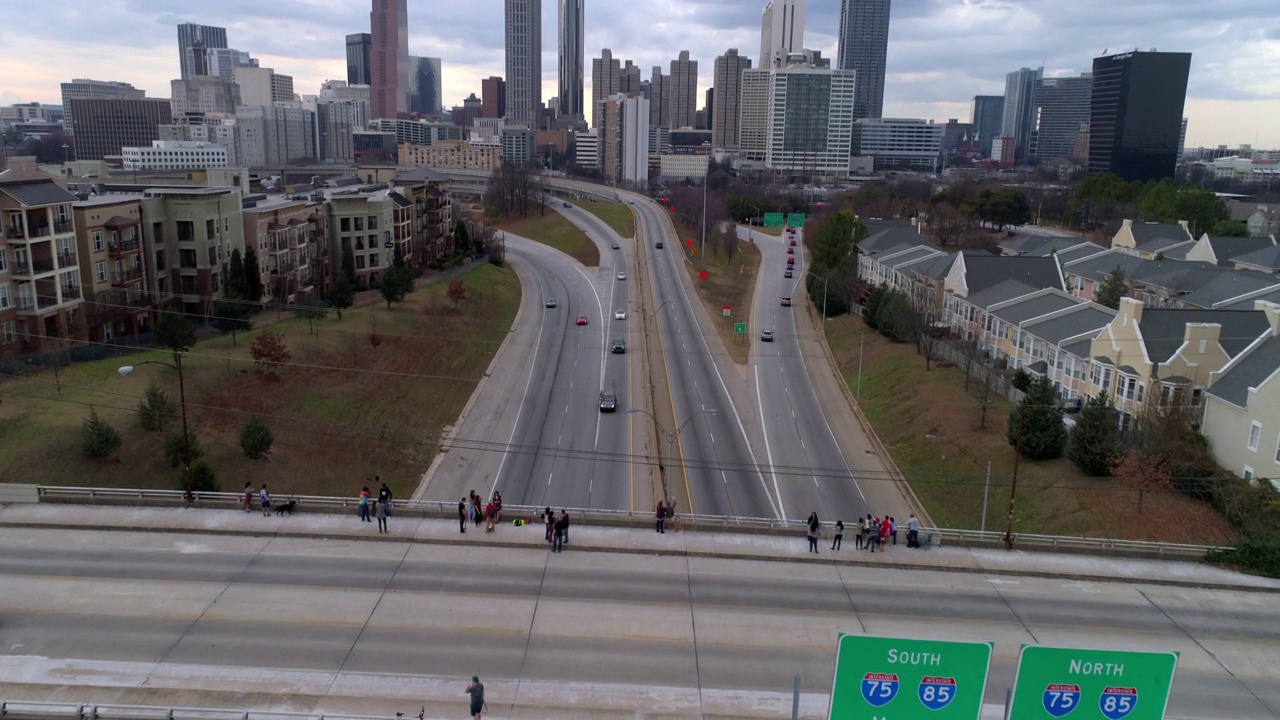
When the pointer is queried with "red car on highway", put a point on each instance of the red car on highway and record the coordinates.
(582, 320)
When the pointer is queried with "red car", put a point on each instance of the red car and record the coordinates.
(791, 251)
(793, 243)
(582, 320)
(791, 260)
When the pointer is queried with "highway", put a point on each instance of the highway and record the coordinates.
(154, 603)
(802, 451)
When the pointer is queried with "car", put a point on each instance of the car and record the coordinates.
(791, 251)
(793, 243)
(786, 301)
(622, 276)
(766, 336)
(582, 319)
(615, 244)
(551, 302)
(608, 401)
(568, 205)
(658, 245)
(631, 202)
(791, 261)
(619, 346)
(619, 314)
(789, 274)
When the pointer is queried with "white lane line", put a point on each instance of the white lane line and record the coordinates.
(604, 350)
(549, 478)
(764, 430)
(520, 412)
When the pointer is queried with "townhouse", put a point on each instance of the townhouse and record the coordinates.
(1151, 241)
(1242, 407)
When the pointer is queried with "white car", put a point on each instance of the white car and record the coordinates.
(619, 314)
(622, 276)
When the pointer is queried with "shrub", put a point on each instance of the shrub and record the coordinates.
(1035, 424)
(98, 440)
(203, 478)
(256, 438)
(156, 409)
(174, 453)
(1021, 379)
(269, 351)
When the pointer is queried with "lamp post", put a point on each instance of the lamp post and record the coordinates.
(671, 441)
(182, 398)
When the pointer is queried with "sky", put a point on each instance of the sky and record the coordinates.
(941, 52)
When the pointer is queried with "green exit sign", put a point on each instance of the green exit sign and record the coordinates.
(903, 679)
(1077, 684)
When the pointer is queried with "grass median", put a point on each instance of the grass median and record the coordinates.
(614, 214)
(553, 230)
(730, 281)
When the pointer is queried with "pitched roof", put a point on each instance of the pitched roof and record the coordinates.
(1226, 249)
(1080, 252)
(421, 174)
(1097, 266)
(1089, 318)
(1157, 234)
(892, 237)
(1163, 331)
(115, 222)
(35, 193)
(1038, 245)
(1251, 372)
(936, 267)
(1271, 296)
(1266, 258)
(1034, 306)
(983, 271)
(1000, 292)
(904, 255)
(1080, 348)
(1228, 286)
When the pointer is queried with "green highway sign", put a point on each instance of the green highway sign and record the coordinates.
(773, 219)
(884, 678)
(740, 328)
(1054, 682)
(796, 220)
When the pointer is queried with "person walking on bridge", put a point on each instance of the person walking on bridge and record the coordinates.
(812, 533)
(662, 516)
(476, 691)
(839, 536)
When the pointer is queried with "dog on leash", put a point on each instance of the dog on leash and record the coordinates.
(287, 508)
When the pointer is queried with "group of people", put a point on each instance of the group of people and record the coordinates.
(557, 528)
(663, 513)
(264, 498)
(871, 532)
(473, 508)
(380, 508)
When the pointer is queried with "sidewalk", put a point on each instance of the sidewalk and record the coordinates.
(594, 538)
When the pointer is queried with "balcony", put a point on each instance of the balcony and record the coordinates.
(14, 232)
(124, 277)
(123, 247)
(38, 231)
(70, 292)
(35, 267)
(63, 226)
(66, 260)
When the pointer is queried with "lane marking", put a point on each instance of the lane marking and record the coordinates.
(528, 383)
(764, 430)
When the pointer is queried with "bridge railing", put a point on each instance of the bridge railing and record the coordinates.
(22, 710)
(622, 518)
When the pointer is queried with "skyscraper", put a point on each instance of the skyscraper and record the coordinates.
(629, 79)
(723, 105)
(988, 115)
(659, 99)
(190, 36)
(1019, 108)
(684, 91)
(606, 78)
(424, 85)
(103, 126)
(359, 46)
(524, 61)
(781, 29)
(1061, 105)
(389, 57)
(864, 45)
(1136, 114)
(572, 16)
(493, 94)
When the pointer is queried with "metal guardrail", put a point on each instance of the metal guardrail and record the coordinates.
(19, 710)
(594, 516)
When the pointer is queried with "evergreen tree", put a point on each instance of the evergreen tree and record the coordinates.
(461, 238)
(252, 276)
(895, 317)
(256, 438)
(397, 282)
(871, 308)
(202, 478)
(397, 257)
(1035, 424)
(341, 295)
(1113, 288)
(98, 440)
(1093, 445)
(236, 276)
(349, 265)
(156, 409)
(175, 452)
(231, 316)
(175, 332)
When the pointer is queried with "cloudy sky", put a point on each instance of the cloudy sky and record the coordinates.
(941, 52)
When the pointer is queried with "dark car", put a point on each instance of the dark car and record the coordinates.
(608, 401)
(789, 273)
(791, 251)
(568, 205)
(658, 244)
(619, 346)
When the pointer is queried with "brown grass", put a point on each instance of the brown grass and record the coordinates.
(905, 403)
(554, 230)
(730, 281)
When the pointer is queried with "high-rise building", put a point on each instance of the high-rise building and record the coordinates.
(798, 117)
(493, 97)
(1019, 108)
(606, 80)
(203, 94)
(624, 140)
(523, 22)
(629, 79)
(659, 99)
(723, 103)
(105, 126)
(274, 136)
(282, 88)
(222, 62)
(389, 57)
(424, 85)
(1061, 105)
(988, 116)
(1136, 114)
(190, 36)
(684, 91)
(471, 108)
(84, 89)
(899, 143)
(359, 48)
(863, 48)
(781, 29)
(572, 78)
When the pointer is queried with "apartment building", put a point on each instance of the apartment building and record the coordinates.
(188, 235)
(1242, 408)
(292, 246)
(432, 225)
(1149, 239)
(362, 223)
(112, 271)
(451, 155)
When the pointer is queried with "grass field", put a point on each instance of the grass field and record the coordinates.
(730, 281)
(774, 231)
(615, 214)
(362, 396)
(931, 426)
(553, 230)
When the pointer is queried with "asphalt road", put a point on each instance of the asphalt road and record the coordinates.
(594, 618)
(804, 460)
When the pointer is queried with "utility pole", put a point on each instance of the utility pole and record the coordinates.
(986, 490)
(1013, 487)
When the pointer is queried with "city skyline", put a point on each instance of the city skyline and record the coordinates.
(941, 52)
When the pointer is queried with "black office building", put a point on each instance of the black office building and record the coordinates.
(359, 70)
(1135, 117)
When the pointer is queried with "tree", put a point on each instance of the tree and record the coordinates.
(256, 438)
(1035, 424)
(348, 265)
(231, 317)
(457, 291)
(461, 238)
(252, 276)
(175, 452)
(1021, 380)
(397, 282)
(895, 318)
(341, 295)
(312, 313)
(202, 478)
(871, 308)
(175, 332)
(836, 239)
(1093, 445)
(397, 257)
(1230, 228)
(156, 409)
(269, 351)
(1112, 289)
(98, 439)
(236, 279)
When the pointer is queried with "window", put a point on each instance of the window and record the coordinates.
(97, 240)
(373, 260)
(344, 224)
(210, 229)
(10, 332)
(100, 271)
(1247, 474)
(1204, 346)
(373, 222)
(1278, 449)
(6, 301)
(1255, 434)
(213, 256)
(4, 265)
(359, 224)
(160, 261)
(359, 262)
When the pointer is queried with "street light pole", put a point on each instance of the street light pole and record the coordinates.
(705, 176)
(189, 494)
(671, 441)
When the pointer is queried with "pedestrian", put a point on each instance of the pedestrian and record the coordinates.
(558, 530)
(564, 515)
(477, 508)
(812, 532)
(913, 531)
(835, 541)
(462, 515)
(884, 533)
(384, 495)
(246, 500)
(380, 512)
(497, 506)
(476, 691)
(661, 514)
(265, 498)
(893, 530)
(860, 539)
(364, 504)
(549, 519)
(873, 534)
(491, 517)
